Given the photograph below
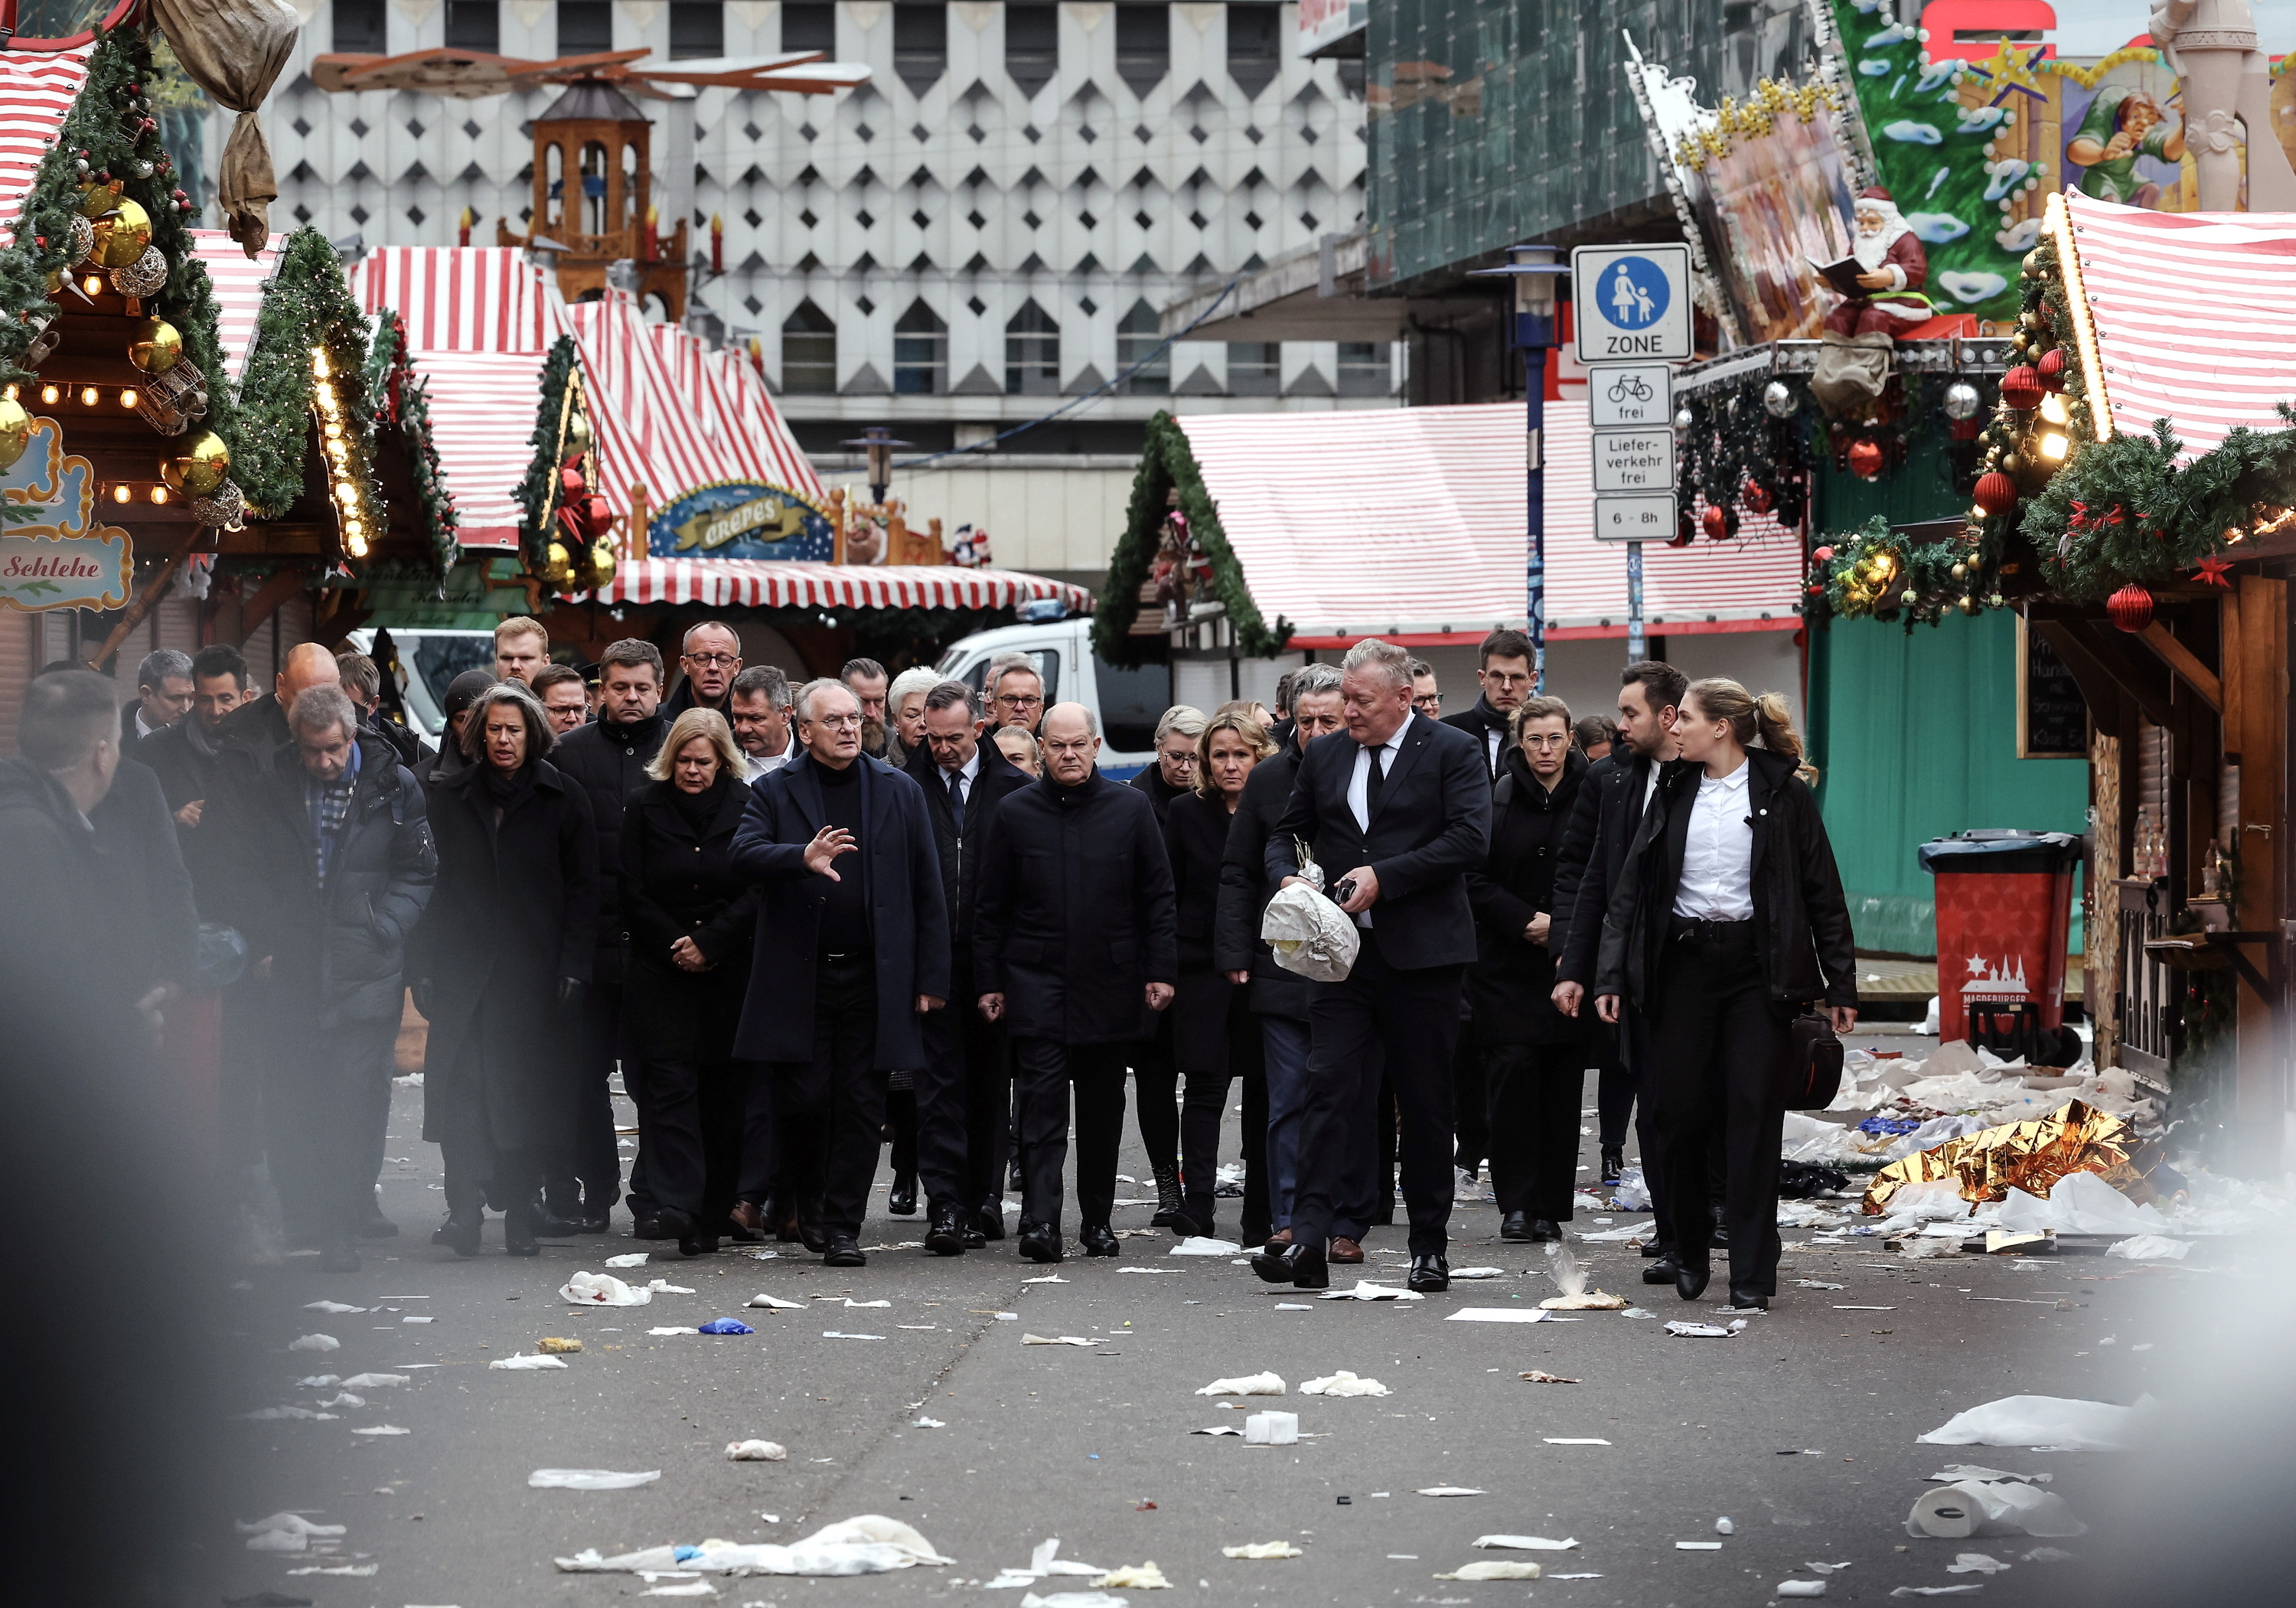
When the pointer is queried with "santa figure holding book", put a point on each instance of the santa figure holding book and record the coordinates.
(1892, 268)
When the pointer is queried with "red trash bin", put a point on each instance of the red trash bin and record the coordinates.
(2004, 921)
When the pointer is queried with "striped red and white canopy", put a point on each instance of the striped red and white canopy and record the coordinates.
(238, 281)
(1412, 522)
(779, 584)
(35, 92)
(2196, 316)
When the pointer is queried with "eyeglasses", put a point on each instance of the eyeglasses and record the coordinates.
(1547, 740)
(1018, 701)
(838, 722)
(713, 660)
(1428, 703)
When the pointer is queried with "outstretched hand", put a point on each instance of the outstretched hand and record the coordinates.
(827, 844)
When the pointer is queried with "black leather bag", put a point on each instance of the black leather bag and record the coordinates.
(1810, 1074)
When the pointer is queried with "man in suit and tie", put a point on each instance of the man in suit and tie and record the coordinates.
(1407, 803)
(966, 1084)
(850, 952)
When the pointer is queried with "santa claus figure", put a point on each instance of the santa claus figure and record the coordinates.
(1894, 268)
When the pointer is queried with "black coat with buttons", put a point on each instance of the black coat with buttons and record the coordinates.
(607, 761)
(678, 882)
(1509, 986)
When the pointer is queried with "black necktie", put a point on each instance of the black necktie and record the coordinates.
(956, 800)
(1374, 780)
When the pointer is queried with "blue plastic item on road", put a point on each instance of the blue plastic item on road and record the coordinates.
(726, 1326)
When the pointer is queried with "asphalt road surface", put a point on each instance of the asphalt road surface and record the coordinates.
(1801, 1430)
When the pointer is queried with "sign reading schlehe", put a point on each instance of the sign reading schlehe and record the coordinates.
(52, 554)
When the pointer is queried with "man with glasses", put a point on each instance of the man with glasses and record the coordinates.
(1426, 691)
(711, 658)
(1505, 675)
(852, 949)
(1016, 692)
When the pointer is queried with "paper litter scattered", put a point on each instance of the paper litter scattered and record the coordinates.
(603, 1289)
(1196, 1245)
(1496, 1315)
(675, 1329)
(526, 1363)
(1478, 1273)
(1292, 1305)
(1048, 1278)
(1954, 1472)
(634, 1258)
(1059, 1340)
(1723, 1527)
(380, 1429)
(1799, 1589)
(1971, 1508)
(1137, 1577)
(1698, 1546)
(1365, 1290)
(1263, 1549)
(1690, 1331)
(869, 1544)
(852, 1302)
(318, 1381)
(1494, 1569)
(344, 1400)
(1073, 1599)
(1526, 1542)
(288, 1524)
(372, 1381)
(776, 1302)
(756, 1451)
(354, 1571)
(1344, 1384)
(1818, 1283)
(2058, 1421)
(686, 1589)
(272, 1414)
(2047, 1554)
(589, 1479)
(841, 1335)
(1592, 1300)
(330, 1306)
(1824, 1568)
(554, 1345)
(2150, 1248)
(1936, 1591)
(1541, 1376)
(1574, 1440)
(315, 1343)
(662, 1286)
(2080, 1202)
(1219, 1429)
(929, 1424)
(1453, 1490)
(1272, 1428)
(1975, 1562)
(278, 1540)
(1250, 1384)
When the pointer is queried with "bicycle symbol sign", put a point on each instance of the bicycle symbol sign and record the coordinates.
(1634, 393)
(1631, 302)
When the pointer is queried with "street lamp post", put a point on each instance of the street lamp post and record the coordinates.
(877, 442)
(1534, 270)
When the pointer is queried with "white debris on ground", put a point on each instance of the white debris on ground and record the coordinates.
(869, 1544)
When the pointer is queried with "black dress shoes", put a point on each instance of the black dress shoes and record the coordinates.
(460, 1233)
(989, 1217)
(1743, 1296)
(842, 1251)
(811, 1237)
(1429, 1275)
(974, 1239)
(601, 1221)
(903, 1201)
(1099, 1240)
(1720, 1237)
(1690, 1282)
(1302, 1265)
(1545, 1228)
(1661, 1271)
(1515, 1226)
(1655, 1246)
(648, 1227)
(1040, 1242)
(548, 1224)
(945, 1237)
(1614, 1162)
(518, 1230)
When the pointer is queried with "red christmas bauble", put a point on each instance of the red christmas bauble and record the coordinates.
(1684, 532)
(571, 483)
(2131, 608)
(1822, 556)
(1866, 457)
(1817, 591)
(1715, 523)
(1757, 497)
(1997, 493)
(2051, 368)
(2020, 389)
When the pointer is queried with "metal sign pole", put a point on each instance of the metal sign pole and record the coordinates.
(1535, 333)
(1636, 644)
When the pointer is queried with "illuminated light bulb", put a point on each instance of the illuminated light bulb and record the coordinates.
(355, 529)
(89, 396)
(11, 393)
(2053, 446)
(335, 431)
(127, 398)
(319, 365)
(50, 395)
(2054, 409)
(346, 494)
(158, 494)
(121, 494)
(93, 284)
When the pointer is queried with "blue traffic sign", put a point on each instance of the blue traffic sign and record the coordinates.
(1632, 303)
(1634, 292)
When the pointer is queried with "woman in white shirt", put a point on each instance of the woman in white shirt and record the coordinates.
(1729, 920)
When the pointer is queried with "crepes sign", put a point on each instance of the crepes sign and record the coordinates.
(53, 553)
(740, 520)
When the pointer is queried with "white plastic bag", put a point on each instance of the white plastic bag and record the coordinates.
(1310, 935)
(2056, 1421)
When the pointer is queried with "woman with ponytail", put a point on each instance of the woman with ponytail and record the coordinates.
(1729, 921)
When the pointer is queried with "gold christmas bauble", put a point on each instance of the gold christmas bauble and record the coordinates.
(123, 238)
(96, 200)
(602, 563)
(154, 346)
(1909, 597)
(1969, 605)
(198, 466)
(579, 437)
(15, 430)
(2033, 260)
(558, 566)
(1960, 571)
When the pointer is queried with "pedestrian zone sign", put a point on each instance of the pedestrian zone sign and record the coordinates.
(1631, 302)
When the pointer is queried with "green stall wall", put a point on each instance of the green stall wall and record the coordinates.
(1917, 736)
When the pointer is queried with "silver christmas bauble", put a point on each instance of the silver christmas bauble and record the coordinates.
(1780, 400)
(1961, 400)
(1682, 419)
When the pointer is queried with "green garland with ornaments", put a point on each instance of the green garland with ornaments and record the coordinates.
(308, 309)
(537, 489)
(397, 397)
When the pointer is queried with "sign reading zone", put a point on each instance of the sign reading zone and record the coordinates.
(1631, 303)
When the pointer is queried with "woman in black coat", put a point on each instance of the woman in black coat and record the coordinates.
(1535, 1057)
(1214, 1035)
(499, 963)
(690, 923)
(1729, 921)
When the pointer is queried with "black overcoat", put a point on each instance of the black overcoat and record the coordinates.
(1510, 987)
(1195, 841)
(680, 883)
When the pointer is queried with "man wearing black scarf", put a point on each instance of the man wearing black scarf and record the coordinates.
(1505, 670)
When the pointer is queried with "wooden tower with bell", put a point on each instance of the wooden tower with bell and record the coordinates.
(594, 196)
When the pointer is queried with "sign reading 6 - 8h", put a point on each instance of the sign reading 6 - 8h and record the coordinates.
(1630, 302)
(52, 554)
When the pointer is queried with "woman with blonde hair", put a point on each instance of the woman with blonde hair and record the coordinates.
(691, 921)
(1729, 921)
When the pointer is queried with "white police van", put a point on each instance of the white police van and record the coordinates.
(1128, 701)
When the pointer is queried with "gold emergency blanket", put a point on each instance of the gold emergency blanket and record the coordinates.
(2030, 1156)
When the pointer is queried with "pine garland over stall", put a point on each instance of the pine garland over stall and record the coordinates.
(399, 399)
(537, 489)
(307, 308)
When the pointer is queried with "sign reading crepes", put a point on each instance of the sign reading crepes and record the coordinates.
(52, 554)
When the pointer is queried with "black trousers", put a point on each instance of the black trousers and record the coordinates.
(832, 1108)
(694, 1145)
(594, 1163)
(761, 1160)
(1614, 1086)
(318, 1115)
(960, 1096)
(374, 1113)
(1156, 1098)
(1535, 1089)
(1414, 1016)
(1043, 1073)
(1715, 1042)
(1470, 1102)
(1204, 1107)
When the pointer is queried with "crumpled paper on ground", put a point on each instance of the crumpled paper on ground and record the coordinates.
(2031, 1156)
(1998, 1508)
(1136, 1577)
(589, 1479)
(287, 1524)
(1526, 1542)
(1344, 1384)
(2079, 1203)
(869, 1544)
(1263, 1549)
(2057, 1421)
(1571, 1279)
(1196, 1245)
(315, 1343)
(1365, 1290)
(1690, 1331)
(1494, 1569)
(603, 1289)
(527, 1363)
(1250, 1384)
(1065, 1340)
(2150, 1248)
(1799, 1589)
(756, 1451)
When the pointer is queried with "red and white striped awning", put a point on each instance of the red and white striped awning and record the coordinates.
(35, 92)
(778, 584)
(1411, 522)
(238, 281)
(2194, 315)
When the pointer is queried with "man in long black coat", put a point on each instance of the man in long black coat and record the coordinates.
(850, 955)
(326, 866)
(1075, 947)
(1398, 807)
(966, 1084)
(607, 761)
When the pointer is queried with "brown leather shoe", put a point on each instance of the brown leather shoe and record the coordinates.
(1279, 1239)
(1344, 1249)
(749, 1222)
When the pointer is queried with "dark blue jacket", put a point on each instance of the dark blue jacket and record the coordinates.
(908, 916)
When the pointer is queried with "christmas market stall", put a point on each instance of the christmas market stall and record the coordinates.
(1257, 541)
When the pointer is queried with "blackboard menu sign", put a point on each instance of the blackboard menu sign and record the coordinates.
(2052, 715)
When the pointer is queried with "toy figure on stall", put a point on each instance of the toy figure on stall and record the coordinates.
(2122, 124)
(1181, 569)
(967, 546)
(1880, 283)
